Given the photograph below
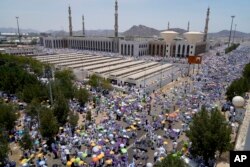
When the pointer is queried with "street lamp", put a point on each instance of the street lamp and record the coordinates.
(234, 32)
(231, 30)
(19, 36)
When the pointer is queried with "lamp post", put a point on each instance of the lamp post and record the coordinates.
(234, 33)
(231, 30)
(19, 36)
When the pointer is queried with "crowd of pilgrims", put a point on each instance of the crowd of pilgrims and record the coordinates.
(134, 123)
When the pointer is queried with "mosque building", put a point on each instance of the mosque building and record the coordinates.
(171, 43)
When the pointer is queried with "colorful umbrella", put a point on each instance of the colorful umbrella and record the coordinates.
(95, 149)
(77, 160)
(84, 155)
(109, 162)
(124, 150)
(69, 163)
(95, 159)
(72, 160)
(81, 163)
(24, 161)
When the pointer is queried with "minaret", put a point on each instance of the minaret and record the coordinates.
(116, 46)
(70, 23)
(206, 26)
(83, 27)
(168, 25)
(188, 26)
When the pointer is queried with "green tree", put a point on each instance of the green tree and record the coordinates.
(64, 82)
(82, 96)
(48, 126)
(209, 133)
(171, 161)
(105, 84)
(61, 108)
(73, 119)
(26, 142)
(89, 116)
(33, 108)
(4, 147)
(7, 117)
(237, 88)
(246, 72)
(94, 80)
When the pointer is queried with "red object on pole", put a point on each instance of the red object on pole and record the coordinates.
(194, 59)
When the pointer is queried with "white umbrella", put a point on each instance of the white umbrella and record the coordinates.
(95, 149)
(42, 163)
(122, 145)
(66, 151)
(149, 164)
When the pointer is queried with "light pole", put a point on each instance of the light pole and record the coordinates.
(19, 36)
(231, 30)
(234, 33)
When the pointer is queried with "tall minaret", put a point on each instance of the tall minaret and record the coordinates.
(70, 23)
(168, 25)
(83, 27)
(116, 46)
(206, 26)
(188, 26)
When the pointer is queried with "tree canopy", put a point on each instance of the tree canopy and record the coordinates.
(73, 119)
(170, 161)
(97, 81)
(239, 86)
(7, 117)
(94, 80)
(82, 96)
(64, 82)
(4, 147)
(231, 48)
(209, 132)
(61, 109)
(17, 77)
(48, 126)
(26, 141)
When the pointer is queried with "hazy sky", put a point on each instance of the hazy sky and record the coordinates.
(45, 15)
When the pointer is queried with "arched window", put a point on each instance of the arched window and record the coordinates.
(132, 50)
(125, 52)
(122, 49)
(183, 51)
(188, 50)
(149, 49)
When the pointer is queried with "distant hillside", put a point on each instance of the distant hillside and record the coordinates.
(14, 30)
(142, 31)
(139, 30)
(225, 33)
(145, 31)
(105, 33)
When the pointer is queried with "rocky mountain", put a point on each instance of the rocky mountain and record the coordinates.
(14, 30)
(139, 30)
(225, 33)
(142, 31)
